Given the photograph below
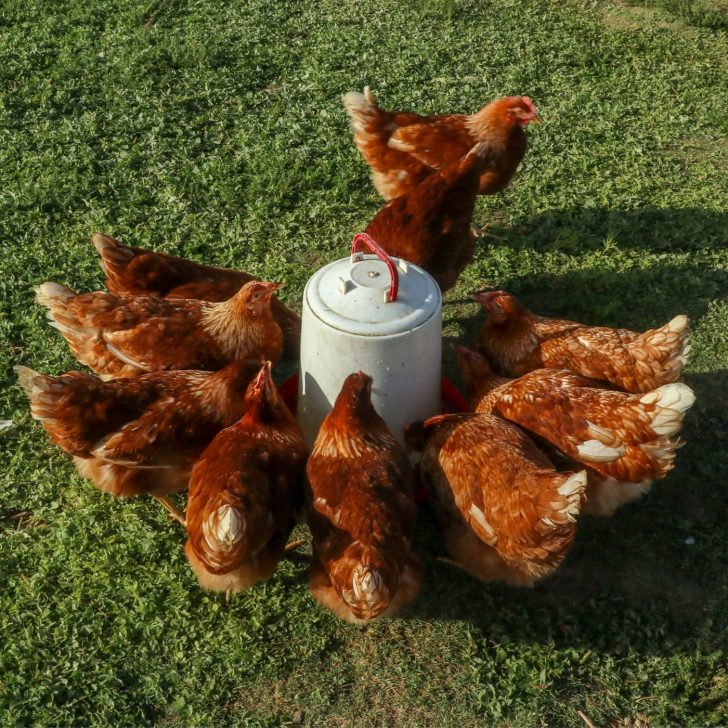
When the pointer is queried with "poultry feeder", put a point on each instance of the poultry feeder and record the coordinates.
(376, 314)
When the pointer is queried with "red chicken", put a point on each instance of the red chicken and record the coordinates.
(119, 337)
(625, 438)
(507, 514)
(362, 511)
(430, 225)
(517, 341)
(239, 510)
(140, 435)
(403, 148)
(134, 271)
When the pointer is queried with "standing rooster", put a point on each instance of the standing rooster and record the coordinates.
(138, 435)
(134, 271)
(403, 148)
(517, 341)
(362, 511)
(240, 506)
(507, 514)
(430, 224)
(125, 337)
(627, 440)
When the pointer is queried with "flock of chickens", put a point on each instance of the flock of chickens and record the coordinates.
(567, 418)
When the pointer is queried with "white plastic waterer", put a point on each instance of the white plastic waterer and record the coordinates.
(375, 314)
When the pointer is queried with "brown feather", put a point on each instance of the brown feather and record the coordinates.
(517, 341)
(132, 271)
(361, 511)
(138, 435)
(128, 336)
(508, 515)
(430, 224)
(240, 505)
(623, 437)
(403, 148)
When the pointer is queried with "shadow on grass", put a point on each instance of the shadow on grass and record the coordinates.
(650, 228)
(650, 579)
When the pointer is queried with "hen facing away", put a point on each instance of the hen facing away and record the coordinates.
(517, 341)
(430, 225)
(132, 271)
(125, 337)
(139, 435)
(506, 513)
(626, 440)
(362, 511)
(403, 148)
(240, 505)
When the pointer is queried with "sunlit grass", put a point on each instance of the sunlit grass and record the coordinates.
(215, 130)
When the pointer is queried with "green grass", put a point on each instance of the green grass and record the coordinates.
(215, 130)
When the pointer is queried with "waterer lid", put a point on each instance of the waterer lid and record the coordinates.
(372, 295)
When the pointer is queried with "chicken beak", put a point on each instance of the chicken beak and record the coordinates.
(484, 297)
(273, 287)
(536, 119)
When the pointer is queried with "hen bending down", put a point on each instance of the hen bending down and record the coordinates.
(132, 271)
(125, 337)
(430, 224)
(403, 148)
(362, 511)
(517, 341)
(507, 514)
(140, 435)
(623, 438)
(240, 505)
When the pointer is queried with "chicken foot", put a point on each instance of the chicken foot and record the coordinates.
(482, 232)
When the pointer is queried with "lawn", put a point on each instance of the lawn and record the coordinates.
(215, 130)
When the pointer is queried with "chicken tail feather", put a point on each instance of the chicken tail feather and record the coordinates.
(559, 504)
(27, 379)
(113, 254)
(662, 353)
(51, 295)
(670, 401)
(361, 108)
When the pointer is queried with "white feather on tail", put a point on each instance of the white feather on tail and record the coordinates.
(49, 294)
(671, 402)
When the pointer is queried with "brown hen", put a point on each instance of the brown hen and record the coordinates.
(134, 271)
(118, 337)
(430, 225)
(517, 341)
(403, 148)
(507, 514)
(362, 511)
(239, 510)
(626, 440)
(140, 435)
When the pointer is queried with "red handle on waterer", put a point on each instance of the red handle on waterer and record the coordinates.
(364, 239)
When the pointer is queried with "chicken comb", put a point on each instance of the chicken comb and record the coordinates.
(529, 104)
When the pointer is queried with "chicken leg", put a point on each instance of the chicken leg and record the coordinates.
(172, 509)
